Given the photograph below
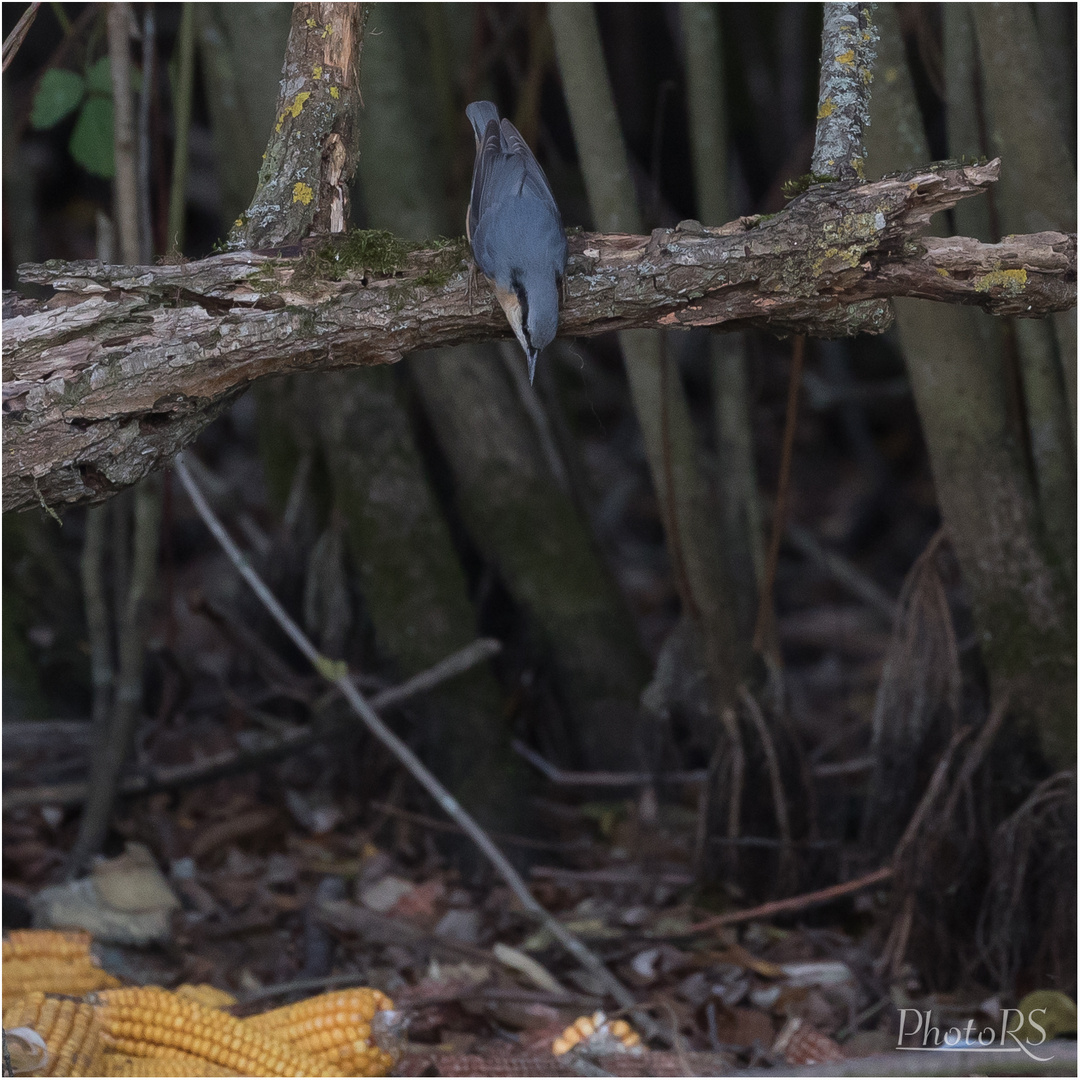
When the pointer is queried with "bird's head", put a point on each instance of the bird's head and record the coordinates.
(531, 305)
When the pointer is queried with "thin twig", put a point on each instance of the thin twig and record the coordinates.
(701, 824)
(510, 357)
(973, 758)
(125, 184)
(892, 956)
(729, 718)
(455, 664)
(843, 571)
(614, 875)
(570, 778)
(149, 74)
(182, 101)
(15, 39)
(772, 842)
(933, 790)
(73, 31)
(335, 673)
(776, 783)
(793, 903)
(108, 758)
(115, 722)
(672, 504)
(167, 777)
(852, 767)
(765, 616)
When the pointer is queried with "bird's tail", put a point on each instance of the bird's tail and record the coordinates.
(480, 114)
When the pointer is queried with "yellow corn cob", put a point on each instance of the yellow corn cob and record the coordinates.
(180, 1065)
(54, 975)
(151, 1022)
(53, 961)
(69, 1028)
(586, 1028)
(205, 994)
(357, 1059)
(336, 1027)
(63, 944)
(624, 1033)
(580, 1029)
(325, 1012)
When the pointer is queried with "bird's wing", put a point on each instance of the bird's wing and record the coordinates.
(488, 183)
(506, 174)
(535, 182)
(480, 114)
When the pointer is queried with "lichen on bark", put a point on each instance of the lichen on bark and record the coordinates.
(848, 48)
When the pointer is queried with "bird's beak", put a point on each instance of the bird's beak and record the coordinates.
(531, 355)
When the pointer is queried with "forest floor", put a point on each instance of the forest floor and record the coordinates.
(327, 867)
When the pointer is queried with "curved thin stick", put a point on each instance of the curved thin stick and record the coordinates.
(793, 903)
(776, 783)
(337, 673)
(764, 632)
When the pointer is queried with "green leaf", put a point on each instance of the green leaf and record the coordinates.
(92, 140)
(99, 77)
(60, 91)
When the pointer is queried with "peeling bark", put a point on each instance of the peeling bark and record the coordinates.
(123, 366)
(311, 155)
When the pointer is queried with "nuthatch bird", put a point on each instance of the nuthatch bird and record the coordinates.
(515, 230)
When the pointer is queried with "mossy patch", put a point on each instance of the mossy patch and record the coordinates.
(374, 252)
(448, 255)
(791, 188)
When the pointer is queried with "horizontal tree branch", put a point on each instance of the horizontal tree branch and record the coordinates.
(122, 366)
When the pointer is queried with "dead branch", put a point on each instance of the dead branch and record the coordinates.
(123, 366)
(794, 903)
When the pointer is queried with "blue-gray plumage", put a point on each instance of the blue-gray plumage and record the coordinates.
(515, 230)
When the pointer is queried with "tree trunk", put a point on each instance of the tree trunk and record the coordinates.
(519, 516)
(1024, 608)
(686, 506)
(1024, 125)
(741, 541)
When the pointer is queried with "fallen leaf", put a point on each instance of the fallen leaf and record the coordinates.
(420, 904)
(383, 894)
(532, 969)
